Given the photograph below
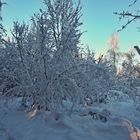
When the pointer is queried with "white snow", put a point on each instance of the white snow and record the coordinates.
(122, 124)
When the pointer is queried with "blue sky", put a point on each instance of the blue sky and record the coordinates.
(98, 20)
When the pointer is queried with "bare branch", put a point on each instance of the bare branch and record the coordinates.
(127, 14)
(133, 3)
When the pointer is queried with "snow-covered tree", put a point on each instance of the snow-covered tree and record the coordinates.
(113, 51)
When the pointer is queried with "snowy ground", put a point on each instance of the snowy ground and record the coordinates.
(122, 124)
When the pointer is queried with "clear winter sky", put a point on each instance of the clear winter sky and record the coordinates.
(98, 18)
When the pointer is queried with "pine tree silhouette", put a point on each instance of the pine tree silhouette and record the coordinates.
(137, 48)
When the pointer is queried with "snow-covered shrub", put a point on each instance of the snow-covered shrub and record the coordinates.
(125, 85)
(43, 63)
(45, 54)
(8, 70)
(116, 96)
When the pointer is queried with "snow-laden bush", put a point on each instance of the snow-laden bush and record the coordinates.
(43, 63)
(45, 54)
(116, 96)
(126, 85)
